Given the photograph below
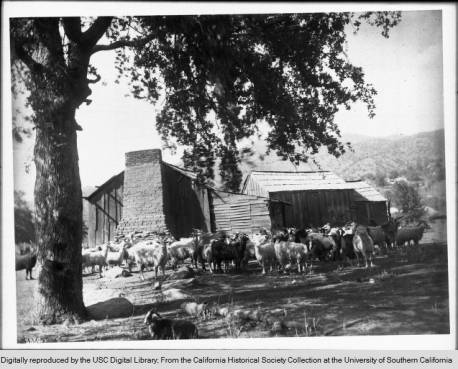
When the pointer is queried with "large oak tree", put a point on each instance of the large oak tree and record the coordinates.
(219, 77)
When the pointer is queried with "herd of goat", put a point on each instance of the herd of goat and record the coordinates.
(281, 249)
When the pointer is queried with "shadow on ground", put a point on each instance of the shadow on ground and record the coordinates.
(399, 296)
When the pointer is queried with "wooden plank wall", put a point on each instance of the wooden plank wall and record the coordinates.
(379, 211)
(186, 206)
(367, 211)
(239, 213)
(315, 208)
(105, 212)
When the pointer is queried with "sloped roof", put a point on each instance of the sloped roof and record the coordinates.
(262, 183)
(185, 172)
(103, 186)
(366, 192)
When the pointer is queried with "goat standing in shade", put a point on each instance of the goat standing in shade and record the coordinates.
(414, 234)
(363, 244)
(169, 329)
(27, 262)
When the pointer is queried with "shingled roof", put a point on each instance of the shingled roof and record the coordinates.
(262, 183)
(366, 192)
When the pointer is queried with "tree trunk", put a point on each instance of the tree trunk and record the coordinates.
(58, 206)
(57, 81)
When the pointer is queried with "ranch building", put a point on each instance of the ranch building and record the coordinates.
(153, 195)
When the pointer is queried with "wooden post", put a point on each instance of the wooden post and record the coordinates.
(283, 215)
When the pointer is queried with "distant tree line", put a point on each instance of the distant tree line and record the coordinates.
(433, 171)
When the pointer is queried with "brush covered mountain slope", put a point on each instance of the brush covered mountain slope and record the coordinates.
(418, 157)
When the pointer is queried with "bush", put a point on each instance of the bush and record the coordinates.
(407, 198)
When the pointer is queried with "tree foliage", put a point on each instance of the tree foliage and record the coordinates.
(24, 226)
(220, 76)
(407, 198)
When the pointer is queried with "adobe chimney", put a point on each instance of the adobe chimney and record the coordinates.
(143, 206)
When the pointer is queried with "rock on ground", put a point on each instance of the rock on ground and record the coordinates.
(117, 307)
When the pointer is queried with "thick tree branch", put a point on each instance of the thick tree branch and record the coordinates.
(96, 31)
(123, 43)
(72, 28)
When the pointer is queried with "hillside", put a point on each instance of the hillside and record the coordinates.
(417, 157)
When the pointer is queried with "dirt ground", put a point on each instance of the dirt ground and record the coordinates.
(403, 294)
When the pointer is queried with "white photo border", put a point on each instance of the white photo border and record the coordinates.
(388, 342)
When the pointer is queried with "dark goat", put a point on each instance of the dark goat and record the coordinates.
(320, 246)
(409, 234)
(384, 234)
(227, 251)
(169, 329)
(26, 262)
(347, 251)
(204, 247)
(240, 245)
(300, 236)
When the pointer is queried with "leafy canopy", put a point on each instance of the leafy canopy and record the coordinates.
(218, 78)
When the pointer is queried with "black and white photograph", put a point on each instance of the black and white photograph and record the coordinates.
(227, 174)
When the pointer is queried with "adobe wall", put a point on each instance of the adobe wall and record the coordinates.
(143, 204)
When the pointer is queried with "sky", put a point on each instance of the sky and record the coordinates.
(405, 69)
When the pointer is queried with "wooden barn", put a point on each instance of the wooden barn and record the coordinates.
(315, 198)
(152, 195)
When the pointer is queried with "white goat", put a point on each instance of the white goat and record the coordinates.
(289, 252)
(196, 310)
(181, 250)
(92, 258)
(298, 254)
(363, 244)
(265, 254)
(117, 253)
(281, 253)
(249, 254)
(148, 253)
